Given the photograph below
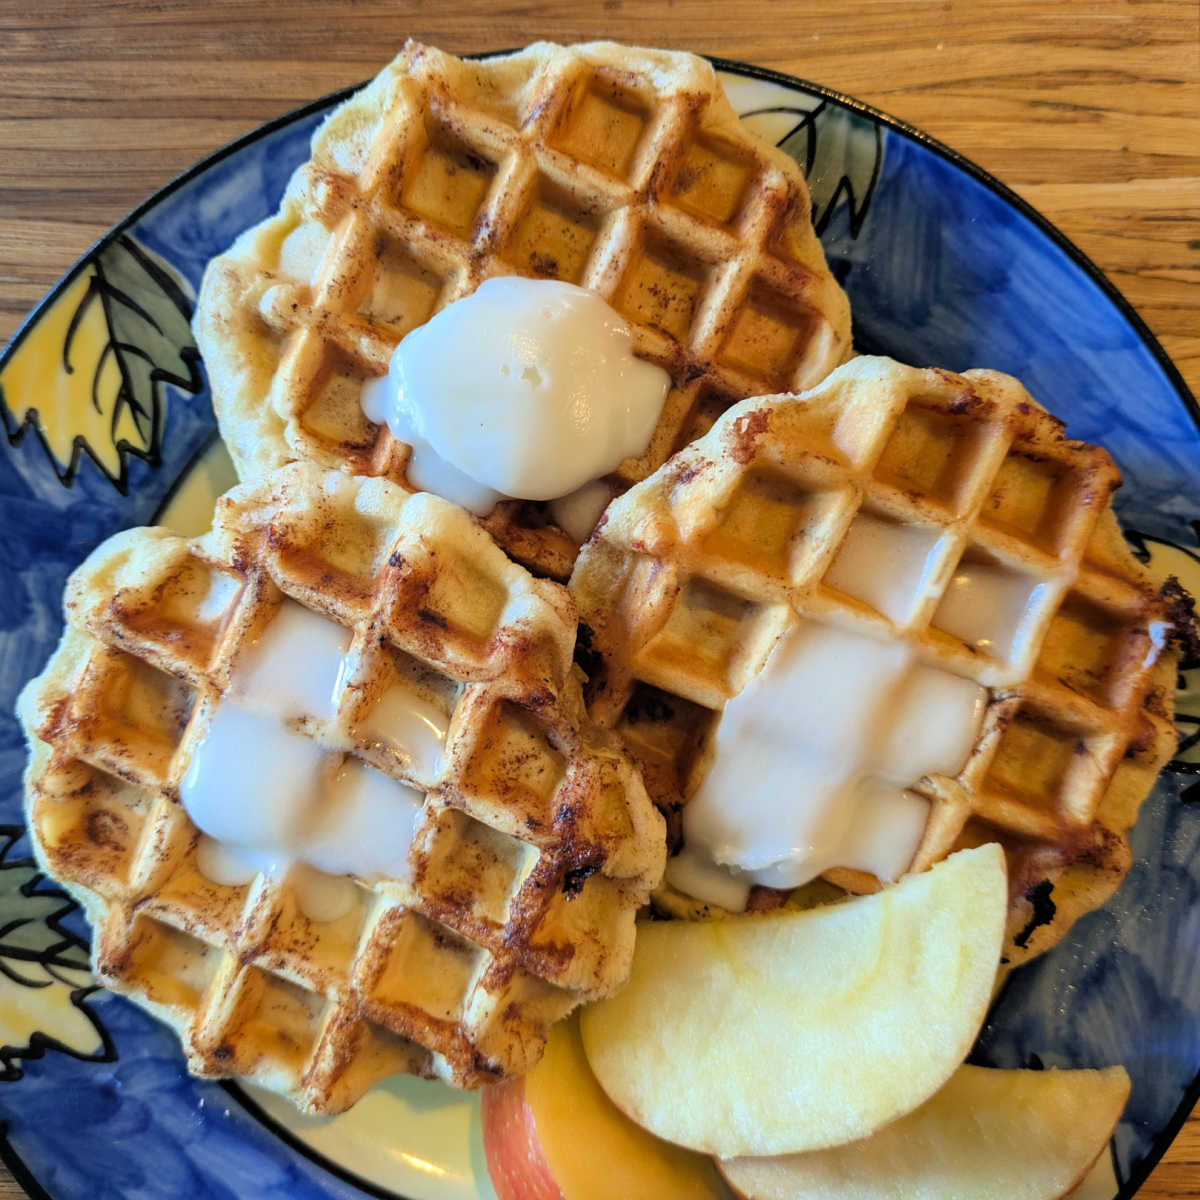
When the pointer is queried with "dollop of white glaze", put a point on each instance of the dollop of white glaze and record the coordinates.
(525, 388)
(272, 800)
(814, 761)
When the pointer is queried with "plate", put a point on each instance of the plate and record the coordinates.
(109, 424)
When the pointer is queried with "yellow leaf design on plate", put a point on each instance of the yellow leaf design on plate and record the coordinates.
(26, 1012)
(45, 978)
(87, 376)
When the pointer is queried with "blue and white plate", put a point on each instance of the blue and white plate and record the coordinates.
(109, 424)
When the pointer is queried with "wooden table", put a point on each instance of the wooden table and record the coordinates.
(1090, 111)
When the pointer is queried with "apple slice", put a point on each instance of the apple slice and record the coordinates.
(987, 1135)
(555, 1135)
(787, 1031)
(1100, 1183)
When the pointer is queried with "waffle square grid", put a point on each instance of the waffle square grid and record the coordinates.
(624, 171)
(694, 574)
(534, 849)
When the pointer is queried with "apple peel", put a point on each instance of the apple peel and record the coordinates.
(554, 1135)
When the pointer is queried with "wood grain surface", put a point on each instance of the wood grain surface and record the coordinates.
(1091, 111)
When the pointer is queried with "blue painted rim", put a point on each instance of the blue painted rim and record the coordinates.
(8, 1154)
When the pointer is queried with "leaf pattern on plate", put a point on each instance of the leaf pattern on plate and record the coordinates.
(45, 977)
(839, 150)
(88, 377)
(1169, 559)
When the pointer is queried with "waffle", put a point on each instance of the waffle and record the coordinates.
(534, 846)
(620, 169)
(692, 575)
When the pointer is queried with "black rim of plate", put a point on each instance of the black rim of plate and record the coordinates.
(8, 1153)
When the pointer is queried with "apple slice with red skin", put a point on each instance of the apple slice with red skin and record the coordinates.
(554, 1135)
(516, 1161)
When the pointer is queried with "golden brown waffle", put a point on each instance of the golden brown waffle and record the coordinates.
(691, 576)
(620, 169)
(535, 847)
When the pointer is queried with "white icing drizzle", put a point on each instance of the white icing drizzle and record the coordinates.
(814, 761)
(526, 388)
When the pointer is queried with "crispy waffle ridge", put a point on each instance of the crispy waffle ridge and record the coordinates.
(692, 575)
(620, 169)
(534, 847)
